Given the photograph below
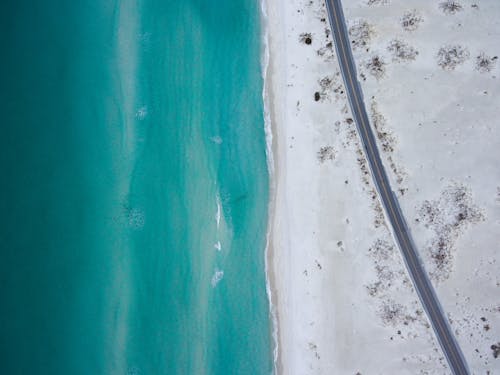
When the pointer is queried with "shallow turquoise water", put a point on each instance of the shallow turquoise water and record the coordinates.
(127, 126)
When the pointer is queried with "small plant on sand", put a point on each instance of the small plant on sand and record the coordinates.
(305, 38)
(392, 313)
(386, 138)
(376, 66)
(411, 20)
(326, 82)
(376, 2)
(485, 63)
(360, 33)
(496, 349)
(330, 88)
(401, 51)
(450, 6)
(325, 153)
(450, 56)
(326, 52)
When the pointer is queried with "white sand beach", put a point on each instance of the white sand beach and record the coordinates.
(344, 302)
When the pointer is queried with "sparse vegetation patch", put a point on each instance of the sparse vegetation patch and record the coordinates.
(485, 63)
(305, 38)
(447, 217)
(381, 250)
(330, 86)
(450, 6)
(376, 66)
(450, 56)
(326, 83)
(393, 313)
(360, 33)
(377, 2)
(401, 51)
(326, 153)
(411, 20)
(387, 140)
(496, 350)
(391, 280)
(385, 274)
(326, 52)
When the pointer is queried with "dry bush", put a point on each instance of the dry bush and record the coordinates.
(330, 86)
(326, 83)
(390, 280)
(450, 6)
(450, 56)
(387, 141)
(453, 210)
(379, 219)
(401, 51)
(382, 254)
(381, 250)
(377, 2)
(326, 52)
(376, 66)
(392, 313)
(325, 153)
(411, 20)
(360, 158)
(485, 63)
(360, 33)
(305, 38)
(385, 136)
(496, 350)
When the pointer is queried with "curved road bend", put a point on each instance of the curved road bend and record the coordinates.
(392, 210)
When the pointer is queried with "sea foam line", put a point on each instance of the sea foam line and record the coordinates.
(270, 166)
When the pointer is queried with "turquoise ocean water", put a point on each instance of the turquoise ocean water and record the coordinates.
(134, 188)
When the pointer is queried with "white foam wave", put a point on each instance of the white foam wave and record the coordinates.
(218, 213)
(217, 277)
(270, 165)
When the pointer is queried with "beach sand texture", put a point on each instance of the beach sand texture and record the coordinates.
(344, 302)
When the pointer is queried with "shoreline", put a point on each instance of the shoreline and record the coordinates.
(271, 151)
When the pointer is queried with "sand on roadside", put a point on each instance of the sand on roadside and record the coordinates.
(344, 302)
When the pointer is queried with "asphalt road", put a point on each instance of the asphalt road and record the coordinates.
(392, 210)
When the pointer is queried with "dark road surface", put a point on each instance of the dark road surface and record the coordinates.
(392, 210)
